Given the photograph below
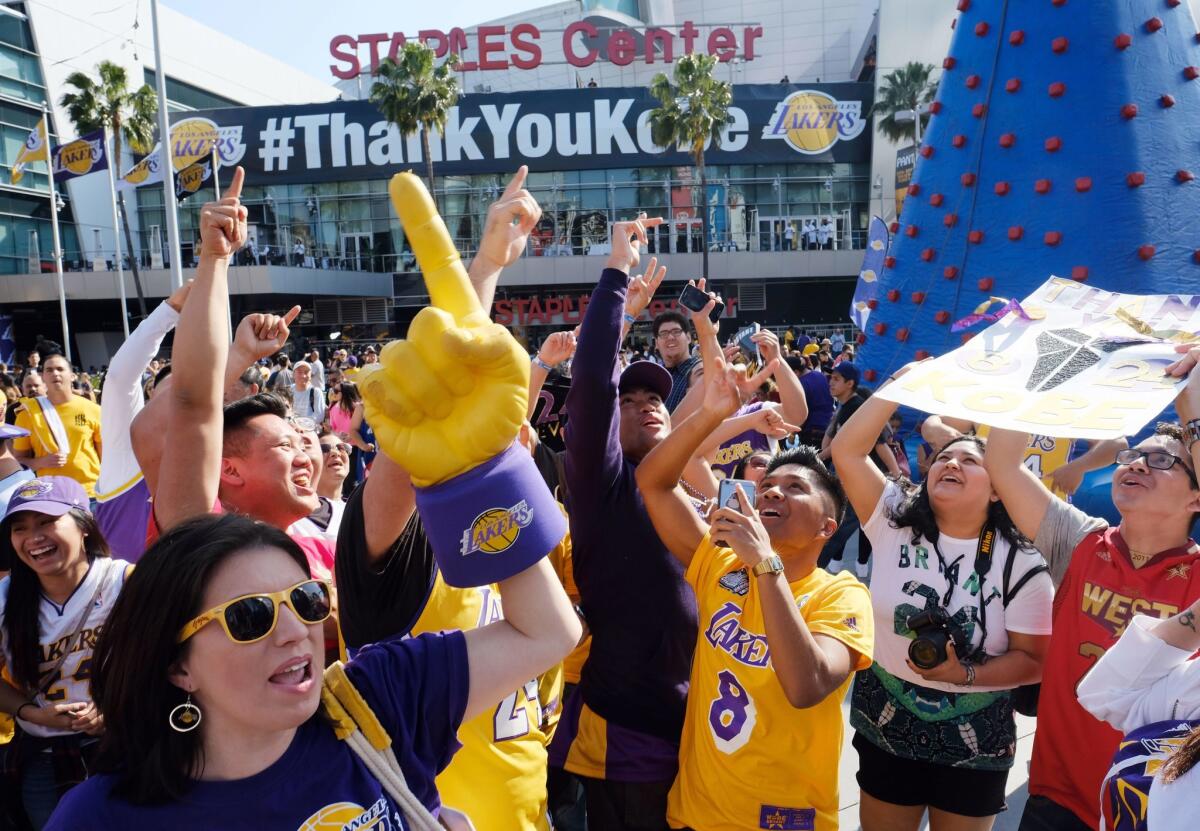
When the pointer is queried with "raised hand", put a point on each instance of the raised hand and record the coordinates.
(558, 347)
(179, 296)
(453, 395)
(262, 335)
(642, 288)
(223, 223)
(768, 345)
(510, 220)
(743, 531)
(627, 237)
(770, 422)
(701, 319)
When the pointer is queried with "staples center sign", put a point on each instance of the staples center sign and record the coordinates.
(499, 48)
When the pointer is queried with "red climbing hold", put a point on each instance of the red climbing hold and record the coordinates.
(975, 237)
(942, 317)
(1146, 252)
(1196, 255)
(871, 375)
(1057, 89)
(902, 334)
(1079, 273)
(1083, 184)
(959, 140)
(1153, 25)
(1001, 188)
(950, 220)
(978, 110)
(860, 338)
(948, 63)
(1016, 37)
(950, 272)
(1167, 101)
(1184, 175)
(927, 254)
(1191, 73)
(1015, 232)
(1053, 144)
(918, 297)
(880, 327)
(963, 5)
(921, 354)
(935, 108)
(936, 199)
(894, 227)
(981, 28)
(1135, 180)
(966, 337)
(968, 179)
(1012, 84)
(1041, 186)
(972, 81)
(912, 230)
(893, 295)
(914, 189)
(1123, 41)
(1174, 3)
(889, 261)
(986, 283)
(1052, 237)
(1008, 139)
(873, 304)
(1129, 111)
(926, 150)
(1058, 45)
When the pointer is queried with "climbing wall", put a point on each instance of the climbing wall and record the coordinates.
(1064, 139)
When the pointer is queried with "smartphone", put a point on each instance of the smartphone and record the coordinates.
(727, 493)
(694, 299)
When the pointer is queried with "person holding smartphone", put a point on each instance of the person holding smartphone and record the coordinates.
(778, 637)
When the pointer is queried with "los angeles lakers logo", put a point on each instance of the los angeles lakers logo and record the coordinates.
(342, 815)
(192, 140)
(811, 121)
(193, 177)
(34, 488)
(496, 529)
(79, 156)
(143, 170)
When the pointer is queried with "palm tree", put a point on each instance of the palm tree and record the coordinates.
(127, 116)
(906, 88)
(692, 112)
(414, 95)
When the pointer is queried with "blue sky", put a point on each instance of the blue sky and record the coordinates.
(298, 32)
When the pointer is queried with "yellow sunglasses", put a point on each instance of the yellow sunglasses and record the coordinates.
(252, 617)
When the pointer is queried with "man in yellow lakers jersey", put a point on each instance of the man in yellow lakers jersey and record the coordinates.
(778, 637)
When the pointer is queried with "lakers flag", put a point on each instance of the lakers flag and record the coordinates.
(80, 157)
(35, 149)
(146, 172)
(192, 178)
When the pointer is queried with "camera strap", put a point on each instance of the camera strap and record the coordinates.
(983, 564)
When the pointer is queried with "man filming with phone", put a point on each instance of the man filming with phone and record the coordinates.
(778, 637)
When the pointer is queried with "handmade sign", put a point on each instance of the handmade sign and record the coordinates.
(1079, 363)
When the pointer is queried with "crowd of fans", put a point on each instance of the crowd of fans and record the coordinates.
(189, 557)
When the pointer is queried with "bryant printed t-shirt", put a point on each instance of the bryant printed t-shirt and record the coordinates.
(747, 757)
(417, 688)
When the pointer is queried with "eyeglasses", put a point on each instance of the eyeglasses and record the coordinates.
(303, 424)
(252, 617)
(670, 333)
(1157, 459)
(329, 448)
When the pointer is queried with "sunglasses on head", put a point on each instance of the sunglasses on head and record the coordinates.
(252, 617)
(1157, 459)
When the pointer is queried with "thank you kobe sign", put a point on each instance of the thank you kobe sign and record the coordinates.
(1081, 363)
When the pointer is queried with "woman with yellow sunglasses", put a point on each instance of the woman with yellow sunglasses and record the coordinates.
(209, 675)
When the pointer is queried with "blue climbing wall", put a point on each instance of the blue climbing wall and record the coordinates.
(1063, 140)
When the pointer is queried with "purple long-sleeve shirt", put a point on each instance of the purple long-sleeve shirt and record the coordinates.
(641, 613)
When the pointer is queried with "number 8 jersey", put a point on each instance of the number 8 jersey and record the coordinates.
(99, 587)
(748, 758)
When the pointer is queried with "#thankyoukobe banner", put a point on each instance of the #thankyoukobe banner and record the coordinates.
(1072, 361)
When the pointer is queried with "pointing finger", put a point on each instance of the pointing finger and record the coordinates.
(234, 191)
(516, 183)
(291, 315)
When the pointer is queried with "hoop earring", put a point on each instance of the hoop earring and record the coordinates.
(185, 718)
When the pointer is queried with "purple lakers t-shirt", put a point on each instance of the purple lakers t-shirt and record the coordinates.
(740, 446)
(122, 520)
(417, 688)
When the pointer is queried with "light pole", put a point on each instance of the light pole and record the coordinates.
(877, 186)
(777, 184)
(905, 116)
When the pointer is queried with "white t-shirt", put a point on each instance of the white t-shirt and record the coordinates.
(907, 578)
(103, 581)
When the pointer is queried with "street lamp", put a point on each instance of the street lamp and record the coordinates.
(905, 116)
(877, 186)
(777, 184)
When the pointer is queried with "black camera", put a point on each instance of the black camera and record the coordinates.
(934, 629)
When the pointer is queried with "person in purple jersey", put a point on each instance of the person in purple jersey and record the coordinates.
(818, 398)
(620, 732)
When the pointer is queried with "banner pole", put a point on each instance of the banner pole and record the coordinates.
(164, 129)
(112, 183)
(58, 271)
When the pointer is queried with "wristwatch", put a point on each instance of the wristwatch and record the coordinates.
(771, 565)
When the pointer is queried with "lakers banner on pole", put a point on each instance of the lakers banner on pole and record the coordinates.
(146, 172)
(1071, 361)
(192, 178)
(80, 157)
(35, 149)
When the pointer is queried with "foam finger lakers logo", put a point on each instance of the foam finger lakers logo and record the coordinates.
(192, 140)
(496, 529)
(811, 121)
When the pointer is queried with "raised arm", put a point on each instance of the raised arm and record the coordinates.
(851, 453)
(510, 219)
(1023, 494)
(938, 430)
(791, 394)
(191, 456)
(1069, 477)
(558, 347)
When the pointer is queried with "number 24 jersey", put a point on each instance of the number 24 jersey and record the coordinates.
(748, 758)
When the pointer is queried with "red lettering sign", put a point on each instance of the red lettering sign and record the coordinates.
(567, 310)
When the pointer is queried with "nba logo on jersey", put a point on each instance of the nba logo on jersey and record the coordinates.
(776, 818)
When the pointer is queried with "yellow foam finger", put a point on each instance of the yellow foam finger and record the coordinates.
(387, 407)
(445, 277)
(425, 333)
(407, 370)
